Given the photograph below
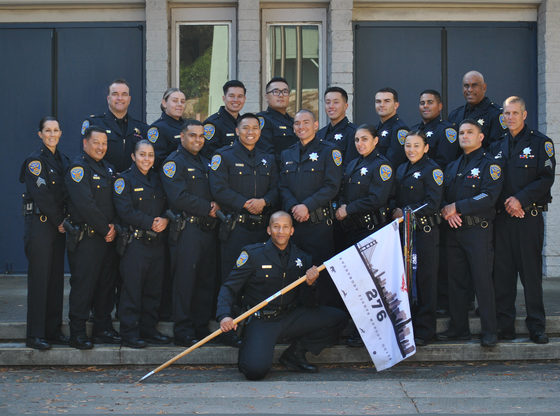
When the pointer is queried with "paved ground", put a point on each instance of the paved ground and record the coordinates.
(459, 389)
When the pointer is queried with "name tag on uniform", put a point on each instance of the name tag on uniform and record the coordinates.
(240, 164)
(289, 162)
(282, 127)
(230, 134)
(138, 189)
(266, 266)
(96, 176)
(177, 136)
(108, 131)
(191, 169)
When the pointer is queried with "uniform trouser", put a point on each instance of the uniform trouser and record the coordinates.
(44, 248)
(470, 255)
(442, 279)
(519, 244)
(166, 301)
(238, 238)
(93, 265)
(318, 240)
(142, 269)
(193, 263)
(314, 328)
(424, 312)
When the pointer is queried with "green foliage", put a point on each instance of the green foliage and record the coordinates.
(195, 80)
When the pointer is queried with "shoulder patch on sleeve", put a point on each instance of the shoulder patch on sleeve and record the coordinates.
(169, 169)
(495, 172)
(385, 172)
(337, 157)
(261, 122)
(401, 135)
(242, 259)
(437, 174)
(119, 185)
(502, 121)
(153, 134)
(35, 167)
(77, 173)
(451, 135)
(85, 125)
(215, 163)
(209, 131)
(549, 148)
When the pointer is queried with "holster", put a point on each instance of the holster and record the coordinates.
(123, 239)
(176, 225)
(322, 214)
(227, 224)
(74, 234)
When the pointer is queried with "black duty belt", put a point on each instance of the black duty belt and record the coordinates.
(322, 214)
(252, 221)
(274, 313)
(204, 223)
(535, 209)
(31, 208)
(471, 220)
(148, 236)
(428, 222)
(368, 220)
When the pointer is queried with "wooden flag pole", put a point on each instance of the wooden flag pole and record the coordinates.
(235, 321)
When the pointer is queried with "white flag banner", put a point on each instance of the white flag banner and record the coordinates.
(370, 279)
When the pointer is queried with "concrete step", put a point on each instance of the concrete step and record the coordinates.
(16, 354)
(13, 331)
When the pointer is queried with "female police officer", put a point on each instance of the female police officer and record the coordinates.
(140, 203)
(165, 132)
(44, 206)
(419, 182)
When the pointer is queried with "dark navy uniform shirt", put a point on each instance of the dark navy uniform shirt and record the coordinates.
(442, 138)
(277, 132)
(391, 139)
(219, 131)
(165, 134)
(342, 136)
(122, 136)
(238, 175)
(310, 175)
(43, 174)
(90, 186)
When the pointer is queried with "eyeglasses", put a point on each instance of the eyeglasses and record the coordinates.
(278, 92)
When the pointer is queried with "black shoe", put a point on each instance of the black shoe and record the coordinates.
(58, 339)
(506, 335)
(133, 342)
(420, 342)
(354, 341)
(37, 343)
(539, 337)
(489, 340)
(185, 341)
(157, 338)
(294, 359)
(109, 336)
(442, 312)
(230, 339)
(81, 342)
(452, 336)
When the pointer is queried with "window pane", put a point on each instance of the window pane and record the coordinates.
(203, 67)
(294, 55)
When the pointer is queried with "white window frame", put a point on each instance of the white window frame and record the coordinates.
(303, 16)
(203, 16)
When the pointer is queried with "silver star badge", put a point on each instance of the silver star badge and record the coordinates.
(264, 162)
(480, 121)
(475, 171)
(384, 133)
(429, 133)
(338, 136)
(527, 151)
(299, 263)
(416, 174)
(314, 156)
(363, 171)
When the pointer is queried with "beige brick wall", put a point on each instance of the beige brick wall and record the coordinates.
(249, 51)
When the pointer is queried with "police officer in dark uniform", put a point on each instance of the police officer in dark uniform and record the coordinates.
(277, 132)
(419, 182)
(193, 240)
(441, 135)
(123, 131)
(366, 187)
(91, 252)
(165, 132)
(244, 181)
(261, 270)
(44, 209)
(472, 185)
(529, 164)
(310, 175)
(219, 128)
(479, 108)
(340, 131)
(392, 130)
(140, 203)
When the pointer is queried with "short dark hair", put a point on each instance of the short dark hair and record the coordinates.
(191, 122)
(117, 81)
(45, 119)
(247, 115)
(93, 129)
(142, 142)
(368, 127)
(391, 90)
(306, 111)
(470, 121)
(419, 133)
(276, 79)
(340, 90)
(432, 92)
(233, 83)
